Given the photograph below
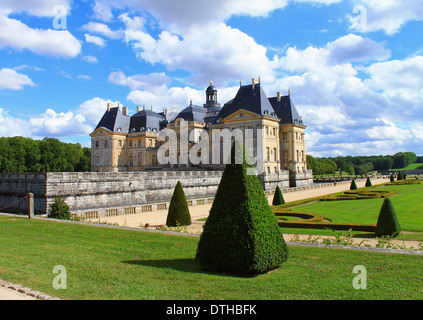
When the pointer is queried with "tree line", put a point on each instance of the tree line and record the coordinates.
(359, 165)
(19, 155)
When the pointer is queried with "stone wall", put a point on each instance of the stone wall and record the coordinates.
(94, 190)
(97, 194)
(15, 186)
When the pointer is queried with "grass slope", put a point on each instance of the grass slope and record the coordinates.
(105, 263)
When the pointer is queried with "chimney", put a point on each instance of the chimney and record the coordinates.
(125, 111)
(278, 96)
(109, 105)
(139, 108)
(253, 81)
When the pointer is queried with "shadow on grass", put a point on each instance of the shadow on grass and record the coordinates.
(189, 265)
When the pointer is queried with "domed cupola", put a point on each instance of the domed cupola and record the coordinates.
(211, 98)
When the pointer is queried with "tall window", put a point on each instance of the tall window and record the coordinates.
(267, 154)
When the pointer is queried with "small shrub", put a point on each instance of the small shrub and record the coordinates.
(59, 209)
(178, 214)
(392, 178)
(387, 222)
(353, 185)
(278, 197)
(368, 182)
(400, 176)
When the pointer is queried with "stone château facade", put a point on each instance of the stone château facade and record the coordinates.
(122, 142)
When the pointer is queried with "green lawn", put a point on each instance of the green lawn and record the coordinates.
(412, 166)
(407, 203)
(106, 263)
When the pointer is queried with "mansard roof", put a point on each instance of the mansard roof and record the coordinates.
(115, 121)
(250, 98)
(285, 110)
(192, 113)
(146, 120)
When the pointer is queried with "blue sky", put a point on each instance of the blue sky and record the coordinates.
(354, 67)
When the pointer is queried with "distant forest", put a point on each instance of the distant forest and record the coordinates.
(19, 154)
(360, 165)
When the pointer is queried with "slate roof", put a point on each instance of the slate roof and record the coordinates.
(285, 110)
(247, 98)
(115, 121)
(192, 113)
(146, 120)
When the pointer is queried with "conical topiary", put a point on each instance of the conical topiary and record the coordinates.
(178, 214)
(392, 178)
(400, 176)
(368, 182)
(387, 222)
(278, 197)
(353, 185)
(241, 234)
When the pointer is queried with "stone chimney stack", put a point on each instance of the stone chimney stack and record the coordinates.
(109, 105)
(278, 96)
(125, 111)
(139, 108)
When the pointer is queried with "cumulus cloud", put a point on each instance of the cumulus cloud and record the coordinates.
(57, 43)
(95, 40)
(43, 8)
(150, 81)
(353, 48)
(102, 29)
(12, 80)
(389, 16)
(203, 51)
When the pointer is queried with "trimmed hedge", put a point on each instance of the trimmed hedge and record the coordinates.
(278, 197)
(178, 214)
(353, 185)
(333, 226)
(368, 182)
(387, 222)
(241, 234)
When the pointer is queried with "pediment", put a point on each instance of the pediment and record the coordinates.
(100, 131)
(241, 115)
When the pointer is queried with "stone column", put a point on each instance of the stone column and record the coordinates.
(31, 205)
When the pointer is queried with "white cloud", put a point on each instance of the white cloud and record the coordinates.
(149, 82)
(12, 126)
(57, 43)
(388, 15)
(352, 48)
(40, 8)
(51, 123)
(95, 40)
(90, 59)
(204, 51)
(84, 77)
(10, 79)
(102, 29)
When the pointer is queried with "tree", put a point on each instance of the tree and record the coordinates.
(400, 176)
(368, 182)
(387, 222)
(241, 234)
(278, 197)
(178, 214)
(392, 178)
(59, 209)
(353, 185)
